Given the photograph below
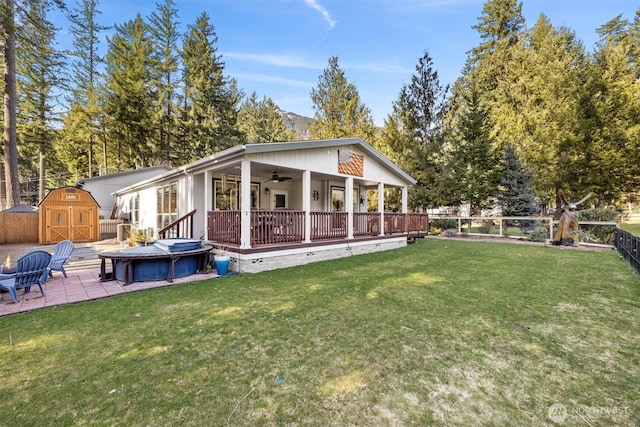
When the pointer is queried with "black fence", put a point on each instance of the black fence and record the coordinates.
(628, 246)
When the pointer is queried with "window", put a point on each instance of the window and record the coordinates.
(337, 198)
(230, 199)
(167, 204)
(134, 207)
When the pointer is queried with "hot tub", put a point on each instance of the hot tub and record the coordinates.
(165, 260)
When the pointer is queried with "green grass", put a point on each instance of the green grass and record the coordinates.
(438, 333)
(631, 227)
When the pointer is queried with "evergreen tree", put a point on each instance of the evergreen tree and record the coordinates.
(12, 177)
(129, 97)
(414, 135)
(84, 95)
(260, 121)
(612, 142)
(164, 35)
(38, 69)
(499, 27)
(539, 102)
(474, 160)
(339, 112)
(211, 101)
(516, 193)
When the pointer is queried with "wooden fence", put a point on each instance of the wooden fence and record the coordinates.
(19, 227)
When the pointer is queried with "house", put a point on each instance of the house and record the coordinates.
(279, 204)
(102, 187)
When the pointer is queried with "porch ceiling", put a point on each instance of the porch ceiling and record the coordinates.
(265, 171)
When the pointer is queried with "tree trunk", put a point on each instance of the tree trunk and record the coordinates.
(12, 176)
(42, 176)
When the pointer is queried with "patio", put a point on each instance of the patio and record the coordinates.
(83, 281)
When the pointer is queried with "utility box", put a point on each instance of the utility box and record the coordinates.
(124, 232)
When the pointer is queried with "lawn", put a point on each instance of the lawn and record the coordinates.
(441, 332)
(631, 227)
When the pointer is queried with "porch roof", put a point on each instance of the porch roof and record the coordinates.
(239, 151)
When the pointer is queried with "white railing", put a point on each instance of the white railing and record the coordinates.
(499, 224)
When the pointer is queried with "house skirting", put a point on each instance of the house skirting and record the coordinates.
(273, 259)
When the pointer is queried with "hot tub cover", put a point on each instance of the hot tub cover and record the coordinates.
(178, 245)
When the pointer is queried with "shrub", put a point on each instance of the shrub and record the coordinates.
(598, 233)
(436, 226)
(485, 226)
(539, 234)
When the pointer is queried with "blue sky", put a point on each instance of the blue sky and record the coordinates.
(279, 48)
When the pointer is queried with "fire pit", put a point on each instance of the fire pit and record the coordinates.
(8, 267)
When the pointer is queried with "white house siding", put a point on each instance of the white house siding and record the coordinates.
(102, 187)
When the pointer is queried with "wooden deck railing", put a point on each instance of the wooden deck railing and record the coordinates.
(182, 227)
(328, 225)
(366, 224)
(277, 227)
(224, 227)
(269, 227)
(417, 222)
(394, 223)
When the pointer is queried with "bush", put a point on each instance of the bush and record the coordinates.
(598, 233)
(436, 226)
(539, 234)
(486, 225)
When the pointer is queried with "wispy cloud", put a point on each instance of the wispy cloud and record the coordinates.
(265, 78)
(276, 60)
(288, 60)
(377, 67)
(323, 11)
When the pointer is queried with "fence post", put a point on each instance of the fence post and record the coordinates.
(550, 228)
(501, 226)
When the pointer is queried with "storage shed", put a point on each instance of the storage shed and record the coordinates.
(69, 213)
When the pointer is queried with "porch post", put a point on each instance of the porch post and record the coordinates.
(306, 204)
(208, 205)
(405, 199)
(245, 204)
(348, 203)
(404, 208)
(381, 206)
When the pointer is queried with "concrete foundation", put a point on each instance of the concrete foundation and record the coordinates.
(271, 260)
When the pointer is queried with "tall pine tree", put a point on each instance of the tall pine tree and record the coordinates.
(129, 98)
(339, 112)
(86, 78)
(165, 36)
(414, 135)
(39, 71)
(260, 121)
(211, 100)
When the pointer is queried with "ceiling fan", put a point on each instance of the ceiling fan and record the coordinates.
(276, 178)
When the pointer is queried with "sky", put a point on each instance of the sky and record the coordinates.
(279, 48)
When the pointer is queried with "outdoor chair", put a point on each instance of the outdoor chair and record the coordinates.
(31, 269)
(61, 254)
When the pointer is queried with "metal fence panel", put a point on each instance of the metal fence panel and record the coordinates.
(627, 245)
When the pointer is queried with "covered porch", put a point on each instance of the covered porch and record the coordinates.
(282, 204)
